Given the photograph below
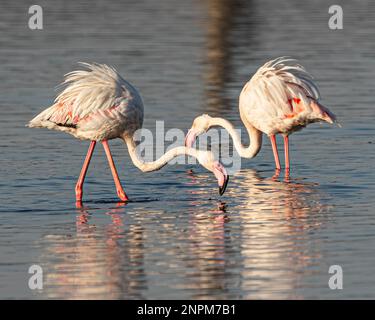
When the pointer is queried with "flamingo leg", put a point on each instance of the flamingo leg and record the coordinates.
(275, 152)
(82, 175)
(120, 191)
(286, 147)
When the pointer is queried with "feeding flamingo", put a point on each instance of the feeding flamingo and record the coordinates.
(98, 105)
(280, 98)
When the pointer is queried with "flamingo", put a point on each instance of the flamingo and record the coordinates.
(97, 104)
(280, 98)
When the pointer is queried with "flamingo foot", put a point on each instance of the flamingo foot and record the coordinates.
(79, 204)
(287, 175)
(276, 175)
(78, 193)
(122, 195)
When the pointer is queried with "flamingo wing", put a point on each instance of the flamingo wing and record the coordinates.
(90, 96)
(282, 95)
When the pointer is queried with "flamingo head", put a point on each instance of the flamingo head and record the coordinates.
(207, 160)
(200, 125)
(221, 176)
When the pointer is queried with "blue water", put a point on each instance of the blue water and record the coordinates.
(266, 237)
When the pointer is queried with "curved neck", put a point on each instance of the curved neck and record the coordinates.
(255, 137)
(163, 160)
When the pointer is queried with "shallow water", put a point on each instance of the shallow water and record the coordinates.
(267, 237)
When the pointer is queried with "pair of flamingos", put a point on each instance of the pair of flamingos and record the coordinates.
(97, 104)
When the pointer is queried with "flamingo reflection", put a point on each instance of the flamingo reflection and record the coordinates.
(277, 220)
(92, 263)
(208, 245)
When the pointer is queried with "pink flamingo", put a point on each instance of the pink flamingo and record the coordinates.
(280, 98)
(98, 105)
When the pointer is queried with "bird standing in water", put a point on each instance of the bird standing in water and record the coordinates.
(280, 98)
(97, 104)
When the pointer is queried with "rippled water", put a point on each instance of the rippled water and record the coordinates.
(267, 237)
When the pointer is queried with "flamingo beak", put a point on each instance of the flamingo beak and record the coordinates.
(330, 118)
(222, 176)
(224, 186)
(190, 138)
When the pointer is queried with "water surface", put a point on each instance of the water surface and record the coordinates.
(267, 237)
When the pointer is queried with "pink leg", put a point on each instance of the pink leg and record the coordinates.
(275, 153)
(286, 147)
(82, 176)
(120, 191)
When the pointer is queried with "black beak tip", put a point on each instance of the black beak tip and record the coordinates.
(222, 189)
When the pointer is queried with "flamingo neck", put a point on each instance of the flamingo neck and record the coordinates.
(163, 160)
(255, 137)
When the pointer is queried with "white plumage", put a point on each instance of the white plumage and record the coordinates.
(97, 104)
(280, 98)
